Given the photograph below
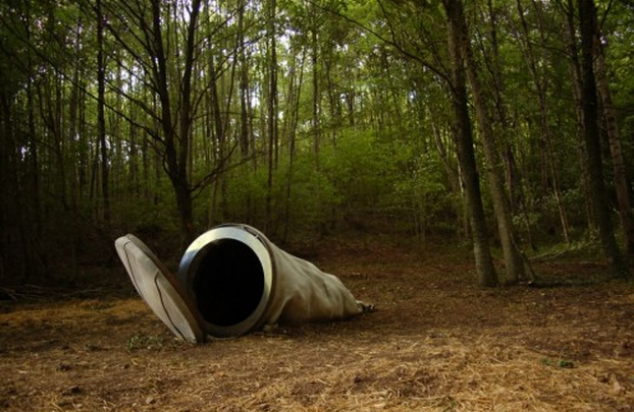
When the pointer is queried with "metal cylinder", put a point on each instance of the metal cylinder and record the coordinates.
(229, 274)
(240, 281)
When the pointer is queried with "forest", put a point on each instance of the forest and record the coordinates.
(464, 167)
(504, 124)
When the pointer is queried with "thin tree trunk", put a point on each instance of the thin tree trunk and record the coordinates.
(83, 145)
(511, 174)
(540, 85)
(246, 148)
(316, 99)
(294, 95)
(218, 138)
(52, 120)
(244, 85)
(73, 111)
(457, 38)
(620, 179)
(575, 73)
(11, 261)
(271, 112)
(176, 145)
(35, 159)
(333, 101)
(587, 13)
(512, 258)
(101, 120)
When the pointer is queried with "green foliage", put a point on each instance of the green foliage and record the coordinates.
(363, 99)
(361, 174)
(422, 194)
(364, 168)
(312, 194)
(307, 202)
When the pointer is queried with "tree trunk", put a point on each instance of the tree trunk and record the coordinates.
(512, 177)
(541, 86)
(316, 99)
(575, 74)
(9, 264)
(175, 159)
(587, 13)
(218, 139)
(621, 184)
(244, 85)
(35, 162)
(101, 120)
(294, 97)
(457, 38)
(272, 112)
(512, 259)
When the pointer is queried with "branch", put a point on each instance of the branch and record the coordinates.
(391, 42)
(222, 167)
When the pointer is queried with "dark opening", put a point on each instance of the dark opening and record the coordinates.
(229, 283)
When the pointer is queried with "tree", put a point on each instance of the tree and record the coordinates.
(149, 44)
(540, 81)
(621, 184)
(457, 40)
(101, 118)
(587, 13)
(305, 118)
(514, 265)
(272, 107)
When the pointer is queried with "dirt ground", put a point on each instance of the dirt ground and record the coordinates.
(435, 343)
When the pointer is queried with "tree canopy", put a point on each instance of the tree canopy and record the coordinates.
(506, 122)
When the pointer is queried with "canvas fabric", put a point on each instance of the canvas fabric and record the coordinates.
(299, 291)
(302, 292)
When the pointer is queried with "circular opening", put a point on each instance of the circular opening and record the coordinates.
(229, 282)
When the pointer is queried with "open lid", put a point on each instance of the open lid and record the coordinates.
(160, 290)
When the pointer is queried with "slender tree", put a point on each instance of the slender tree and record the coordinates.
(514, 265)
(540, 80)
(574, 68)
(272, 110)
(587, 13)
(457, 40)
(101, 117)
(621, 184)
(244, 83)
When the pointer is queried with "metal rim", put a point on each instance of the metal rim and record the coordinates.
(198, 249)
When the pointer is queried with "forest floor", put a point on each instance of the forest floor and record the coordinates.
(435, 343)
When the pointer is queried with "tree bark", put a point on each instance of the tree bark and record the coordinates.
(218, 140)
(176, 145)
(244, 85)
(272, 112)
(9, 265)
(294, 95)
(575, 73)
(316, 93)
(512, 178)
(101, 119)
(587, 13)
(457, 38)
(621, 184)
(513, 263)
